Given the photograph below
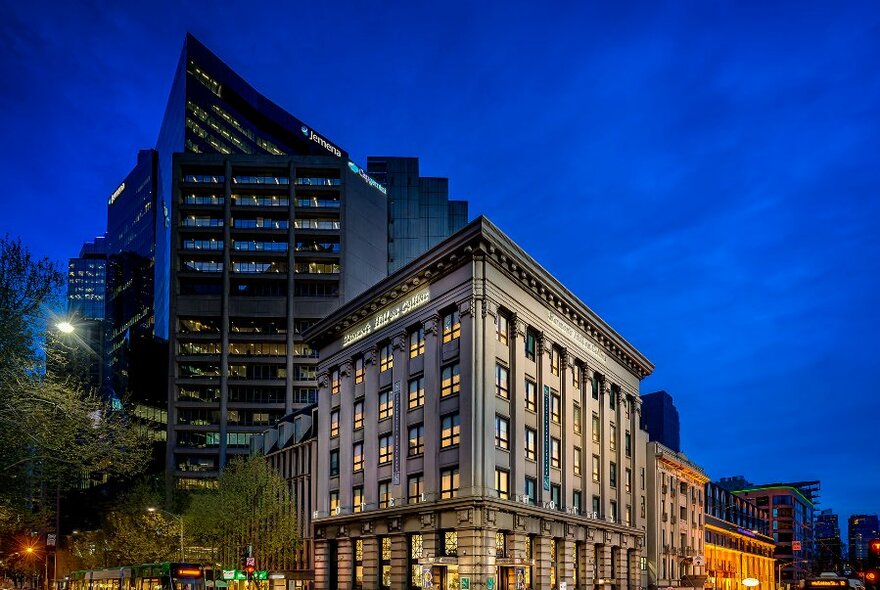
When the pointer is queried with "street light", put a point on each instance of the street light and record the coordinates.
(65, 327)
(179, 518)
(781, 565)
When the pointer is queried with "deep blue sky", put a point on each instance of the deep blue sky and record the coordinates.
(704, 175)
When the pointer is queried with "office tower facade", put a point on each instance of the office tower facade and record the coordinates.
(861, 528)
(829, 547)
(738, 545)
(87, 281)
(675, 510)
(660, 419)
(264, 247)
(791, 509)
(420, 214)
(455, 443)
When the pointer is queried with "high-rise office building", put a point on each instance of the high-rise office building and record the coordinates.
(660, 419)
(82, 351)
(828, 542)
(420, 214)
(861, 528)
(264, 247)
(87, 280)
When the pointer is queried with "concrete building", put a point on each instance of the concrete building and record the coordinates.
(737, 546)
(675, 555)
(861, 528)
(264, 247)
(660, 419)
(478, 425)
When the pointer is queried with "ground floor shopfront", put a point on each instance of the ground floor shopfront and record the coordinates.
(476, 548)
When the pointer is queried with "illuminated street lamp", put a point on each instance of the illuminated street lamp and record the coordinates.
(751, 582)
(179, 518)
(65, 327)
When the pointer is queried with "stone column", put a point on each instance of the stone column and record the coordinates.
(344, 563)
(372, 553)
(399, 555)
(541, 555)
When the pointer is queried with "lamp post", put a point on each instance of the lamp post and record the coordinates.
(781, 565)
(179, 518)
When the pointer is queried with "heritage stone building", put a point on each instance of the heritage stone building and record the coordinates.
(478, 425)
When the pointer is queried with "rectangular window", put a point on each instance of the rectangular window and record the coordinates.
(556, 495)
(334, 423)
(612, 474)
(555, 452)
(384, 494)
(502, 432)
(451, 326)
(594, 385)
(576, 501)
(358, 456)
(531, 345)
(627, 443)
(450, 380)
(554, 360)
(597, 506)
(449, 430)
(612, 398)
(501, 328)
(359, 370)
(448, 483)
(415, 486)
(417, 342)
(628, 482)
(555, 406)
(612, 435)
(531, 445)
(334, 501)
(596, 468)
(386, 404)
(386, 357)
(531, 395)
(358, 421)
(531, 489)
(416, 393)
(642, 478)
(576, 376)
(386, 449)
(614, 510)
(502, 388)
(416, 439)
(576, 467)
(357, 499)
(334, 462)
(596, 433)
(576, 418)
(449, 543)
(502, 483)
(642, 508)
(335, 382)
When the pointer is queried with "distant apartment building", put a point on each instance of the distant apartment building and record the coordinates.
(861, 528)
(660, 419)
(829, 547)
(478, 426)
(738, 545)
(675, 510)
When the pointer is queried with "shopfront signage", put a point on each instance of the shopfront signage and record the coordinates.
(827, 583)
(575, 335)
(312, 136)
(387, 316)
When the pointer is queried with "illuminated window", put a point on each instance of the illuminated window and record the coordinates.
(358, 456)
(555, 452)
(553, 563)
(359, 563)
(531, 395)
(612, 435)
(451, 326)
(416, 440)
(596, 428)
(450, 543)
(450, 380)
(415, 485)
(386, 450)
(501, 328)
(357, 499)
(416, 394)
(386, 404)
(596, 469)
(576, 467)
(417, 342)
(449, 483)
(576, 418)
(502, 483)
(334, 423)
(358, 421)
(359, 371)
(334, 501)
(386, 357)
(554, 360)
(502, 388)
(502, 434)
(416, 553)
(335, 382)
(555, 406)
(531, 444)
(449, 430)
(628, 479)
(500, 544)
(576, 377)
(384, 494)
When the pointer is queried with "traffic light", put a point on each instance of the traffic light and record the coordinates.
(249, 569)
(872, 572)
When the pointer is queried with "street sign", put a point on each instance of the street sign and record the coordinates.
(795, 545)
(50, 540)
(464, 583)
(250, 561)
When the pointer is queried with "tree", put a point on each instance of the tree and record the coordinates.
(252, 505)
(52, 433)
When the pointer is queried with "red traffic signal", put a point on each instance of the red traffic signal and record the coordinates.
(874, 546)
(871, 576)
(249, 569)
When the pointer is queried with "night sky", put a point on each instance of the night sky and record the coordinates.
(704, 175)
